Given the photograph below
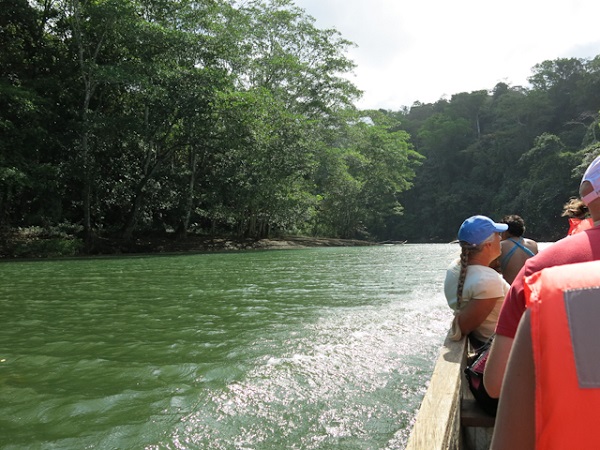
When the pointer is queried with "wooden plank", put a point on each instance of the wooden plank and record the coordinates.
(437, 425)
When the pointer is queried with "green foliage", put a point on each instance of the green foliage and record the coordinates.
(47, 242)
(47, 248)
(362, 177)
(510, 151)
(263, 165)
(125, 117)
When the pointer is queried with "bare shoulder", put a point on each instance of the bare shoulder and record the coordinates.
(531, 245)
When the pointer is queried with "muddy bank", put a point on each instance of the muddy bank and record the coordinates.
(204, 244)
(31, 246)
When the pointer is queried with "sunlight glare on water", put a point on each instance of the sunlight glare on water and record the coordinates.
(307, 349)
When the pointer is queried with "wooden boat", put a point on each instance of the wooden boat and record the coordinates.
(449, 417)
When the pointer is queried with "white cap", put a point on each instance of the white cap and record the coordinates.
(592, 175)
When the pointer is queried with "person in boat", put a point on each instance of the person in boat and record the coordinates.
(515, 248)
(551, 393)
(577, 212)
(474, 290)
(580, 247)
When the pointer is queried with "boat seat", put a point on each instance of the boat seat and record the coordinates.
(471, 415)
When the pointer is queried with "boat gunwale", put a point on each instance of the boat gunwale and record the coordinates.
(437, 424)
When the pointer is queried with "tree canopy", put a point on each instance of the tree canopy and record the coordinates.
(512, 150)
(125, 117)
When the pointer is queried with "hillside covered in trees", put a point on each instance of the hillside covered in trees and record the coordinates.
(512, 150)
(128, 118)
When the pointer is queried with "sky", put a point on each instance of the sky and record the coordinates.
(425, 50)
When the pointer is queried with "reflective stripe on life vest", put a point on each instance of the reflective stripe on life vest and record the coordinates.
(564, 303)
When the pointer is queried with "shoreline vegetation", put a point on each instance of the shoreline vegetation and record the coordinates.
(252, 129)
(35, 244)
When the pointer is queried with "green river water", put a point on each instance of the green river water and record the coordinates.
(318, 348)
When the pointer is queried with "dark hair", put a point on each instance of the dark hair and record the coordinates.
(516, 224)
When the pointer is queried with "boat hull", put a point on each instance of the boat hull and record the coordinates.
(449, 417)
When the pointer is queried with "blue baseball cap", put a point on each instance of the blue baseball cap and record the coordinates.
(476, 229)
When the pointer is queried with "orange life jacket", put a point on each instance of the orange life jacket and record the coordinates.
(579, 225)
(564, 303)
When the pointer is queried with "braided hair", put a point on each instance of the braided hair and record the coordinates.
(466, 250)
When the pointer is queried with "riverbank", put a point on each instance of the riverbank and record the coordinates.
(25, 244)
(204, 244)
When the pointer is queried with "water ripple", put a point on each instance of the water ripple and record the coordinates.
(303, 349)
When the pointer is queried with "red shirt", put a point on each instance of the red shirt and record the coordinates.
(579, 225)
(580, 247)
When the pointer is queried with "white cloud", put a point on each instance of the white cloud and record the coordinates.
(423, 50)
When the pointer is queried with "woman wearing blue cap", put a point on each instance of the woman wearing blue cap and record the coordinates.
(474, 290)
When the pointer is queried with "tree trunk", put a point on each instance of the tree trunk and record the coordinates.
(87, 192)
(134, 214)
(90, 84)
(189, 202)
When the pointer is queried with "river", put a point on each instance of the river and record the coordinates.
(317, 348)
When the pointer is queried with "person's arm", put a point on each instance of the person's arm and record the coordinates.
(495, 365)
(515, 421)
(506, 328)
(474, 313)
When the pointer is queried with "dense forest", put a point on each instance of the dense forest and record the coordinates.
(121, 118)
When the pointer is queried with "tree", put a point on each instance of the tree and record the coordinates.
(262, 170)
(362, 178)
(546, 186)
(301, 65)
(29, 164)
(143, 63)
